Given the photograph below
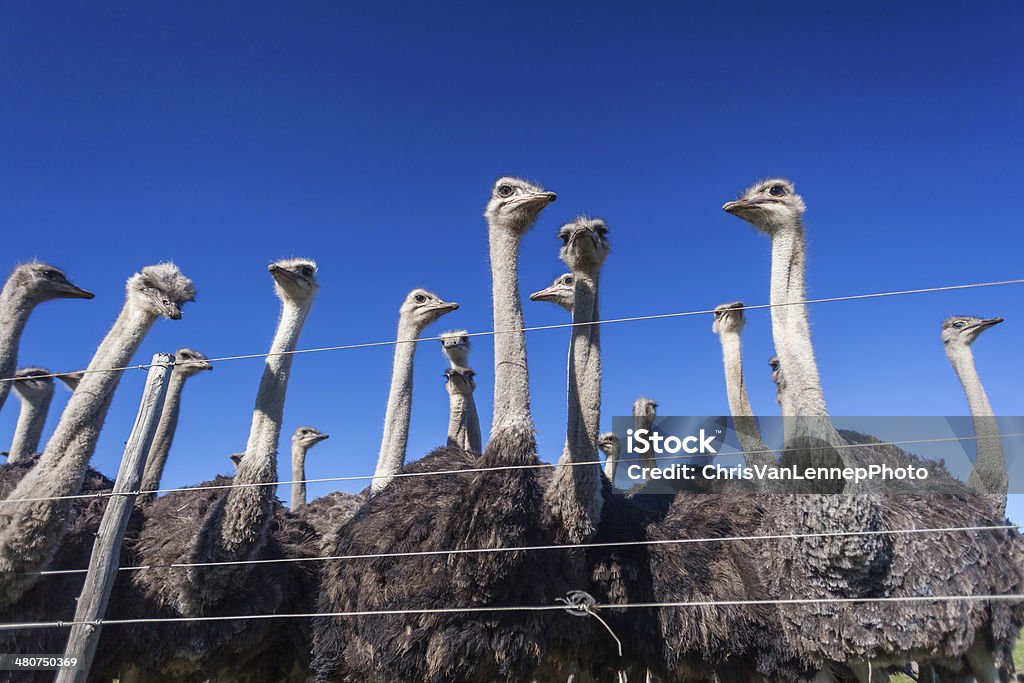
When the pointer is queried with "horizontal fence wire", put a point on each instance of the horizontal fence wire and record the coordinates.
(536, 328)
(496, 468)
(517, 608)
(534, 548)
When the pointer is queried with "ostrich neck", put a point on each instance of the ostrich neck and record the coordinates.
(511, 381)
(989, 474)
(458, 433)
(574, 494)
(61, 468)
(803, 381)
(164, 435)
(611, 465)
(31, 419)
(248, 509)
(743, 419)
(396, 419)
(15, 309)
(298, 498)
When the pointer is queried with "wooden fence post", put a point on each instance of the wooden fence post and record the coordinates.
(106, 550)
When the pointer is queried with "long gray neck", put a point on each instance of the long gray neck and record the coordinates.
(15, 309)
(249, 508)
(31, 419)
(298, 498)
(743, 419)
(574, 495)
(511, 380)
(458, 432)
(642, 421)
(611, 464)
(395, 439)
(30, 533)
(989, 475)
(805, 387)
(164, 436)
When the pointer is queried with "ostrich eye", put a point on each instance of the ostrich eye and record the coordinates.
(601, 230)
(505, 191)
(419, 298)
(51, 274)
(564, 237)
(777, 191)
(306, 271)
(958, 324)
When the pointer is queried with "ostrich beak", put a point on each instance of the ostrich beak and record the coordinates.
(323, 437)
(278, 272)
(990, 322)
(544, 294)
(445, 306)
(72, 292)
(738, 207)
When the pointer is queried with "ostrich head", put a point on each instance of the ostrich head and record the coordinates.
(459, 381)
(728, 318)
(644, 411)
(558, 292)
(161, 290)
(455, 345)
(515, 203)
(584, 244)
(960, 331)
(294, 279)
(422, 308)
(71, 379)
(609, 444)
(33, 384)
(42, 282)
(237, 458)
(308, 436)
(777, 378)
(189, 362)
(769, 205)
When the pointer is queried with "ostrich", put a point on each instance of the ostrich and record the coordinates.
(728, 325)
(31, 532)
(463, 423)
(559, 292)
(860, 635)
(35, 391)
(419, 309)
(645, 410)
(779, 381)
(989, 473)
(303, 439)
(245, 522)
(463, 420)
(609, 444)
(574, 494)
(490, 509)
(187, 363)
(30, 284)
(236, 458)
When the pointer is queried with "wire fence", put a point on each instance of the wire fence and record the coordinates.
(537, 328)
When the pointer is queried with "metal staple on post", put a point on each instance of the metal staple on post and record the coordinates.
(99, 580)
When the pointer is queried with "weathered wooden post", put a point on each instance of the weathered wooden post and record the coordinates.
(106, 550)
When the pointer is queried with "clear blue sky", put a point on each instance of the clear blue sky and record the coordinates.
(225, 135)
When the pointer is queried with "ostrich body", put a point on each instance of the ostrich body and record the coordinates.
(728, 325)
(419, 309)
(27, 286)
(897, 565)
(989, 474)
(463, 420)
(34, 389)
(493, 509)
(31, 532)
(574, 494)
(187, 363)
(303, 439)
(245, 522)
